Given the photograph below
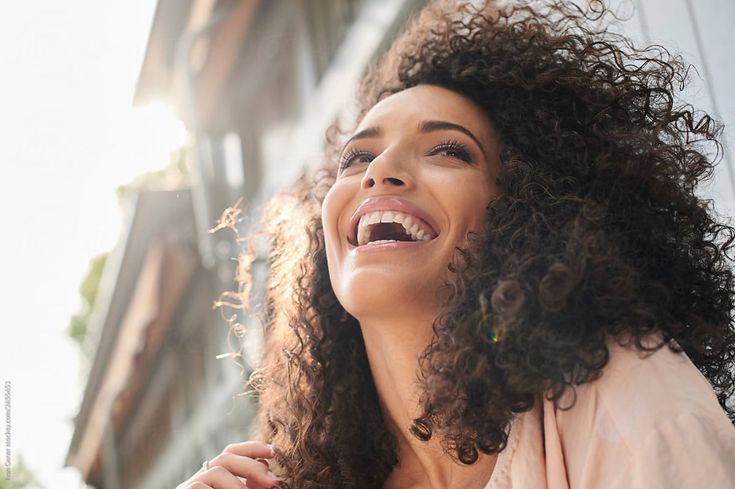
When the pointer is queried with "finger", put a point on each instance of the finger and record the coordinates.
(251, 449)
(197, 485)
(188, 484)
(246, 467)
(252, 484)
(219, 478)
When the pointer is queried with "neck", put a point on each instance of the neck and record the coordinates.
(393, 346)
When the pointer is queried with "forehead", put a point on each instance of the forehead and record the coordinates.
(428, 102)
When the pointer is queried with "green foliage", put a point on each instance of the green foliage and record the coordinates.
(90, 284)
(20, 477)
(77, 329)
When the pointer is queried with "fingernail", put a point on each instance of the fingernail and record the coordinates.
(272, 449)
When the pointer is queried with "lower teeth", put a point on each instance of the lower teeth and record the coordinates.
(381, 241)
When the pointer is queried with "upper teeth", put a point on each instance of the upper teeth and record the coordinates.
(411, 225)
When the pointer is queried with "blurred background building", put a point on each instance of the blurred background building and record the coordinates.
(257, 83)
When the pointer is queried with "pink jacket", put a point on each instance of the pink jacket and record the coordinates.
(650, 422)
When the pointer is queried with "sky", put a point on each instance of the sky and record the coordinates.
(68, 139)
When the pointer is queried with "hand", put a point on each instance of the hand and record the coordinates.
(239, 466)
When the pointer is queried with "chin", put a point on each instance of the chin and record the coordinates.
(387, 293)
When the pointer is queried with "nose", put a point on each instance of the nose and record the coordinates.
(386, 170)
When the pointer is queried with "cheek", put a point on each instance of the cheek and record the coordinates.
(472, 202)
(332, 207)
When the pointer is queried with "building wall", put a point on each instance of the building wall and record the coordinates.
(702, 32)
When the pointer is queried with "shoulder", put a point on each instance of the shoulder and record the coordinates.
(639, 389)
(651, 413)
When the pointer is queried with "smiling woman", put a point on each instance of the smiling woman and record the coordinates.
(412, 183)
(511, 282)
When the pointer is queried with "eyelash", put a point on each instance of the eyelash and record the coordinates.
(347, 159)
(460, 150)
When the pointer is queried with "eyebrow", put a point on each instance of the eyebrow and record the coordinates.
(369, 132)
(430, 126)
(424, 127)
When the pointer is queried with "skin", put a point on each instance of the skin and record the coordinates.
(395, 290)
(435, 152)
(239, 466)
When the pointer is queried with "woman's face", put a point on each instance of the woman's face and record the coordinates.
(415, 178)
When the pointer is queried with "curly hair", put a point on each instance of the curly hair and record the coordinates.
(597, 235)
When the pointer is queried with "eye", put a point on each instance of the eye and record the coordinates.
(452, 149)
(355, 156)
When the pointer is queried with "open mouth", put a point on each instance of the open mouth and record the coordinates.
(390, 226)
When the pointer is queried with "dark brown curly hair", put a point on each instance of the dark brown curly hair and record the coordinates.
(597, 234)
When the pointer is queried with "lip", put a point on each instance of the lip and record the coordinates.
(398, 204)
(393, 246)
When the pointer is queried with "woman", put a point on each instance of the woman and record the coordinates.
(510, 282)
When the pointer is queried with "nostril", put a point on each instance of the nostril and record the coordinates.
(370, 183)
(394, 181)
